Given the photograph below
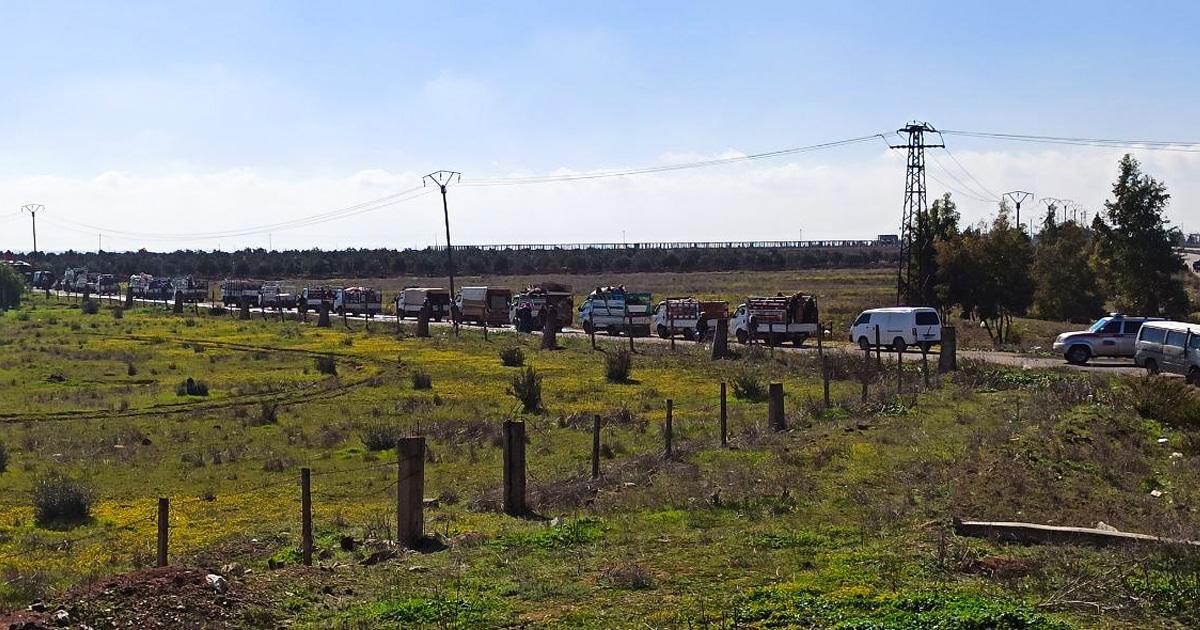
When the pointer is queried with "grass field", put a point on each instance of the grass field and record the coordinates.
(842, 519)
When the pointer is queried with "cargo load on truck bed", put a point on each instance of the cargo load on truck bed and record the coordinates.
(689, 317)
(616, 310)
(358, 301)
(235, 291)
(776, 319)
(527, 310)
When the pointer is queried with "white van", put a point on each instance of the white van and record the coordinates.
(899, 327)
(1171, 347)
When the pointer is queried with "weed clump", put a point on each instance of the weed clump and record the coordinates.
(747, 386)
(527, 389)
(326, 365)
(89, 307)
(618, 366)
(628, 575)
(268, 413)
(1169, 400)
(421, 380)
(378, 436)
(512, 357)
(118, 312)
(191, 387)
(58, 499)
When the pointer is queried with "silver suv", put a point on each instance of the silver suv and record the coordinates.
(1111, 336)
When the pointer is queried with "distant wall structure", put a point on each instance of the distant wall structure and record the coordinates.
(882, 242)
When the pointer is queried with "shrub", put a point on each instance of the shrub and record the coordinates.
(1168, 400)
(326, 365)
(618, 366)
(23, 316)
(512, 357)
(378, 436)
(628, 575)
(89, 307)
(421, 380)
(189, 323)
(747, 386)
(58, 499)
(3, 458)
(268, 413)
(191, 387)
(527, 389)
(118, 312)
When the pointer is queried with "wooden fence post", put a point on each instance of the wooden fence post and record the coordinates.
(164, 518)
(423, 320)
(669, 431)
(671, 320)
(899, 372)
(514, 468)
(724, 418)
(925, 365)
(306, 539)
(866, 372)
(596, 447)
(410, 490)
(549, 328)
(820, 345)
(878, 350)
(775, 417)
(825, 379)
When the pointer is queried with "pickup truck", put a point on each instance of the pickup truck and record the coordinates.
(689, 317)
(776, 319)
(615, 310)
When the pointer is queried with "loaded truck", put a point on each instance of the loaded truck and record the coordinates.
(692, 318)
(528, 308)
(776, 319)
(146, 287)
(357, 301)
(410, 301)
(314, 297)
(187, 289)
(276, 295)
(484, 305)
(233, 292)
(613, 310)
(43, 279)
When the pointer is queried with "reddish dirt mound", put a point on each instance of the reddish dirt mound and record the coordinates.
(167, 597)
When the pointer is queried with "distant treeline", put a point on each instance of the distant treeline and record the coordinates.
(379, 263)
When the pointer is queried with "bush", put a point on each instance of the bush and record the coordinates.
(191, 387)
(527, 389)
(118, 312)
(3, 458)
(512, 357)
(58, 499)
(618, 366)
(11, 287)
(421, 380)
(268, 413)
(747, 386)
(378, 436)
(90, 307)
(326, 365)
(1168, 400)
(22, 316)
(130, 368)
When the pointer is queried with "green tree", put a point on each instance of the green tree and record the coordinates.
(938, 225)
(1066, 284)
(1134, 255)
(11, 286)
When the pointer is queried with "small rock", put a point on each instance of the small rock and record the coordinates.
(38, 606)
(233, 568)
(61, 617)
(348, 543)
(430, 503)
(1176, 455)
(556, 521)
(1106, 527)
(416, 568)
(216, 583)
(1162, 440)
(1156, 493)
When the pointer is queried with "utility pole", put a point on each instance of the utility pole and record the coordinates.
(1018, 197)
(1052, 206)
(33, 209)
(443, 179)
(912, 284)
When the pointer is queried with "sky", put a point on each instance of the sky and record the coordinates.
(168, 125)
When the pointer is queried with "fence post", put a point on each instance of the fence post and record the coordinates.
(669, 431)
(820, 345)
(671, 320)
(423, 319)
(775, 417)
(825, 379)
(948, 354)
(306, 540)
(720, 348)
(410, 490)
(878, 350)
(724, 418)
(323, 315)
(596, 447)
(899, 373)
(514, 468)
(866, 372)
(164, 517)
(178, 307)
(925, 365)
(549, 328)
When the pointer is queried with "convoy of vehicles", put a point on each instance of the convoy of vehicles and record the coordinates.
(1112, 336)
(1170, 347)
(689, 317)
(777, 319)
(411, 300)
(357, 301)
(615, 310)
(484, 305)
(527, 310)
(897, 328)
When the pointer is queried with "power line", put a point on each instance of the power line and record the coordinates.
(969, 173)
(1150, 145)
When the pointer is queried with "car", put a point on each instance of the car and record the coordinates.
(1111, 336)
(897, 328)
(1196, 265)
(1171, 347)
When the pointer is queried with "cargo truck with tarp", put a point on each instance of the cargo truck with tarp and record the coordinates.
(616, 310)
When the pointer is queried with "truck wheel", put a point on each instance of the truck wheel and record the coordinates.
(799, 340)
(587, 327)
(613, 331)
(1151, 366)
(899, 345)
(1078, 354)
(688, 334)
(663, 332)
(742, 337)
(863, 343)
(1193, 377)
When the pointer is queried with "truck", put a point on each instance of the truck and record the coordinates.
(692, 318)
(411, 299)
(357, 301)
(234, 291)
(43, 279)
(146, 287)
(484, 305)
(276, 295)
(527, 308)
(313, 297)
(101, 283)
(776, 319)
(187, 289)
(615, 310)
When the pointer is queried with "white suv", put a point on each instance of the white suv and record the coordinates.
(1111, 336)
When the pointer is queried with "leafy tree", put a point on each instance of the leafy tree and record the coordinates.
(938, 225)
(1066, 284)
(11, 286)
(1134, 254)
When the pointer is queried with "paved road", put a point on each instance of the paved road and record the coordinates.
(1110, 366)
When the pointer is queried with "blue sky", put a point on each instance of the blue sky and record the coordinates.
(149, 116)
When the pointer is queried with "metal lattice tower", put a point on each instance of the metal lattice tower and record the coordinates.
(912, 279)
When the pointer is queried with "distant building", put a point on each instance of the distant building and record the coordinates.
(888, 239)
